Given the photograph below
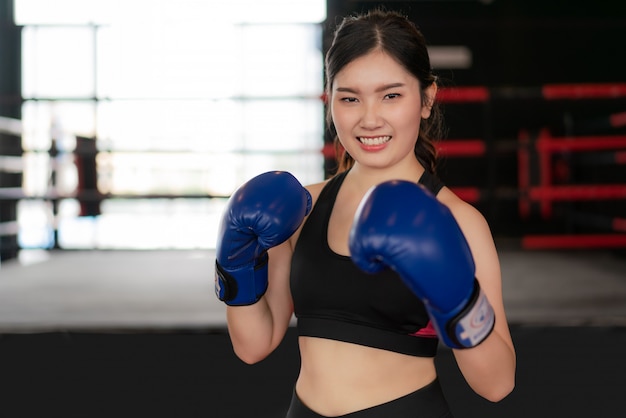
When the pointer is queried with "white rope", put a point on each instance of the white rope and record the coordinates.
(10, 126)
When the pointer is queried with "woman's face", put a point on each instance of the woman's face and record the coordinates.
(376, 108)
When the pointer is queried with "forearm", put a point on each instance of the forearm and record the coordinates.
(251, 329)
(489, 368)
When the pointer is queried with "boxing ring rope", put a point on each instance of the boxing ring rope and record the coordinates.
(10, 130)
(10, 126)
(546, 193)
(481, 94)
(544, 147)
(547, 145)
(577, 241)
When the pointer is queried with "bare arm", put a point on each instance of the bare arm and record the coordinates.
(489, 368)
(256, 330)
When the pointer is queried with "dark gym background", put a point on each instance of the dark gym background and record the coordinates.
(566, 368)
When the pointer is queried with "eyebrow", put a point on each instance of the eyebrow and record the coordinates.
(378, 90)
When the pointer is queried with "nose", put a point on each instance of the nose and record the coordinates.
(371, 117)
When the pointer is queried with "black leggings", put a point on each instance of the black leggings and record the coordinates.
(427, 402)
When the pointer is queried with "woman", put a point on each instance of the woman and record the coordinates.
(366, 341)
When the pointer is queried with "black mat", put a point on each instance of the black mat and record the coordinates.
(562, 372)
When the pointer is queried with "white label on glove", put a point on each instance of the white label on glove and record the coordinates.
(474, 327)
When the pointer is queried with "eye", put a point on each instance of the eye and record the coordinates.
(392, 95)
(348, 99)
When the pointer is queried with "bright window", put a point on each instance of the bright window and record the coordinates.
(182, 100)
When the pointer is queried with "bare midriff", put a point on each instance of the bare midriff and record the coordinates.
(337, 378)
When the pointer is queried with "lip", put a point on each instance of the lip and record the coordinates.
(373, 143)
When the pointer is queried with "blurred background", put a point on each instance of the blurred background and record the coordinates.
(125, 126)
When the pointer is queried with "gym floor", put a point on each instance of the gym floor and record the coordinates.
(140, 333)
(139, 290)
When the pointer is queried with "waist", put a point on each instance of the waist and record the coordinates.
(338, 377)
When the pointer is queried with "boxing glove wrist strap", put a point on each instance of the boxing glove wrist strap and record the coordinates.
(474, 323)
(242, 286)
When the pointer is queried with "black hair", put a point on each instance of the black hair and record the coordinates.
(394, 34)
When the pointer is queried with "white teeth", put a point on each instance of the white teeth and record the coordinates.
(374, 141)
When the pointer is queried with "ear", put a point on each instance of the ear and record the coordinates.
(429, 99)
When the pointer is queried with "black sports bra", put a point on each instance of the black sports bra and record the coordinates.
(334, 299)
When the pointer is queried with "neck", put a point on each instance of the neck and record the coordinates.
(366, 177)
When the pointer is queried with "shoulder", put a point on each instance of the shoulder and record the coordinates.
(315, 189)
(476, 231)
(466, 215)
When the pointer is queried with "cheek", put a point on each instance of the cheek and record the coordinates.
(340, 118)
(408, 121)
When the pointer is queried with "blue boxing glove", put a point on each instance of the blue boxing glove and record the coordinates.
(261, 214)
(401, 225)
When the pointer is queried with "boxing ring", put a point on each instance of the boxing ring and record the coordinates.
(535, 153)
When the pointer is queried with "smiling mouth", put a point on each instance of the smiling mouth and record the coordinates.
(377, 140)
